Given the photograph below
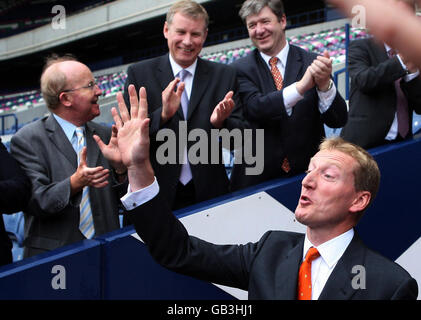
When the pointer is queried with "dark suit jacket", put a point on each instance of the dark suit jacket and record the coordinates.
(372, 102)
(48, 158)
(296, 137)
(15, 190)
(211, 83)
(268, 269)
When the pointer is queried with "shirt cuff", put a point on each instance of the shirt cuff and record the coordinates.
(326, 98)
(135, 199)
(291, 97)
(411, 76)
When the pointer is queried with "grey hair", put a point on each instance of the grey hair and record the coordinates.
(251, 7)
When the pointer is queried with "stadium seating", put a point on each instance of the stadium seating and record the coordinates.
(332, 40)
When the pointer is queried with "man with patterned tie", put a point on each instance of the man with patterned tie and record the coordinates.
(286, 91)
(341, 181)
(185, 91)
(385, 90)
(75, 189)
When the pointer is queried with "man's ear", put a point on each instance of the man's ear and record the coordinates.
(361, 201)
(283, 22)
(165, 30)
(65, 99)
(205, 35)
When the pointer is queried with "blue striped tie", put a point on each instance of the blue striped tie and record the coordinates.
(86, 223)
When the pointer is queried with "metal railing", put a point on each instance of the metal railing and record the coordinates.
(3, 118)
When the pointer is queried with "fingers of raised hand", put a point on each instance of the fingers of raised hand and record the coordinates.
(118, 117)
(143, 104)
(144, 130)
(99, 142)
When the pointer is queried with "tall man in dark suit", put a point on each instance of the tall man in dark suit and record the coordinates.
(385, 90)
(15, 191)
(342, 179)
(74, 195)
(286, 91)
(204, 99)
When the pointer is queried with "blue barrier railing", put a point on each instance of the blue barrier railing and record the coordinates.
(3, 118)
(118, 266)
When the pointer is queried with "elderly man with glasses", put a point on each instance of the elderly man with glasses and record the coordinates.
(75, 186)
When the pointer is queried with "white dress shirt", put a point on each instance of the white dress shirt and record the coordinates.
(188, 81)
(290, 93)
(330, 253)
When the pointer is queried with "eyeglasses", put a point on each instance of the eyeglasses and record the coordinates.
(91, 85)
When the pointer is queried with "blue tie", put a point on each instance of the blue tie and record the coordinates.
(183, 74)
(86, 224)
(185, 175)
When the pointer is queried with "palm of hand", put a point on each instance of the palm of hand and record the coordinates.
(134, 148)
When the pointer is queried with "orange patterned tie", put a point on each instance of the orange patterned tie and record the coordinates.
(304, 275)
(279, 82)
(276, 74)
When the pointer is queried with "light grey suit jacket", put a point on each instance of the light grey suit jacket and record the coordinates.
(48, 158)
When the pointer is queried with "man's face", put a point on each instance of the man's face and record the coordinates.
(185, 37)
(266, 32)
(84, 100)
(328, 194)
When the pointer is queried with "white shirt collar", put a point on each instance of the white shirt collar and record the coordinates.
(176, 68)
(282, 56)
(331, 251)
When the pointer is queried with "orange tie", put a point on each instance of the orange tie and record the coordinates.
(304, 275)
(276, 74)
(279, 82)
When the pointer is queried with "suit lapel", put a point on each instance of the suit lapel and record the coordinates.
(339, 284)
(59, 139)
(287, 273)
(293, 67)
(165, 75)
(200, 83)
(92, 147)
(268, 84)
(164, 71)
(379, 51)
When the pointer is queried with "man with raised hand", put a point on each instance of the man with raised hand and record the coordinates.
(342, 179)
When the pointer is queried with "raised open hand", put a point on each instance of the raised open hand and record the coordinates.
(133, 137)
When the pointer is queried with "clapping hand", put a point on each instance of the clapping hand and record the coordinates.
(222, 110)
